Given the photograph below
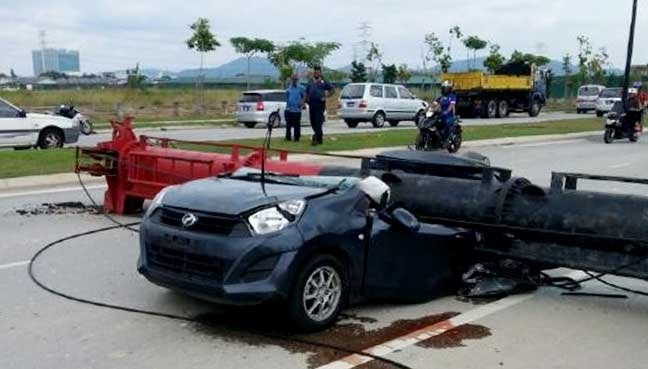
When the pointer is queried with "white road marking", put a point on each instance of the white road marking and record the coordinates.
(622, 165)
(45, 192)
(13, 265)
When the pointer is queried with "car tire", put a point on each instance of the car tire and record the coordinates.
(393, 123)
(249, 124)
(578, 111)
(503, 109)
(599, 113)
(50, 138)
(351, 123)
(378, 120)
(306, 294)
(274, 120)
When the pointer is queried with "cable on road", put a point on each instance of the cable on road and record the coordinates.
(128, 226)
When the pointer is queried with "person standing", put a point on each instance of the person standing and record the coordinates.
(295, 97)
(316, 93)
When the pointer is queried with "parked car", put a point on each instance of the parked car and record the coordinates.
(264, 107)
(19, 129)
(312, 244)
(606, 100)
(586, 98)
(378, 103)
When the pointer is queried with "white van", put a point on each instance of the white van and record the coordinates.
(586, 98)
(378, 103)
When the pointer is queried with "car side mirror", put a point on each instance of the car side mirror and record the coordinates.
(22, 114)
(405, 220)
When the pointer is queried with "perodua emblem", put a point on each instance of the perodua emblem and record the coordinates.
(188, 220)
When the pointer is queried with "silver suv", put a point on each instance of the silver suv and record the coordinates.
(378, 103)
(264, 107)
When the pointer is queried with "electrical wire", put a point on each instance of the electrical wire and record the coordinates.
(614, 285)
(128, 226)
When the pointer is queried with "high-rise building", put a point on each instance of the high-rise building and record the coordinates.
(55, 60)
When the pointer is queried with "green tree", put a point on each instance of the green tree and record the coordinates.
(598, 65)
(455, 33)
(389, 73)
(12, 74)
(374, 57)
(203, 41)
(300, 54)
(495, 59)
(527, 58)
(54, 75)
(335, 76)
(584, 54)
(438, 52)
(567, 71)
(250, 47)
(474, 44)
(358, 72)
(403, 74)
(135, 79)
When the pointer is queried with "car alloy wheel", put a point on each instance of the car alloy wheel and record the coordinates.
(50, 139)
(379, 120)
(322, 293)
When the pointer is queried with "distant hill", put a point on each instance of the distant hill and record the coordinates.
(259, 66)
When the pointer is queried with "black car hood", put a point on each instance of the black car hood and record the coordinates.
(233, 196)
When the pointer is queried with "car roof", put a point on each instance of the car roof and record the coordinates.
(374, 83)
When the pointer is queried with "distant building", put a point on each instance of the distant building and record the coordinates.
(55, 60)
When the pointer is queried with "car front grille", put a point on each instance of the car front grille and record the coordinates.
(206, 223)
(186, 263)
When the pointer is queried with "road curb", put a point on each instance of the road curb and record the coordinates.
(63, 179)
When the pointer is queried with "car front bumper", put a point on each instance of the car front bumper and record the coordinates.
(71, 135)
(172, 264)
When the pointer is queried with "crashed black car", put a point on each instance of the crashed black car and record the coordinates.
(314, 244)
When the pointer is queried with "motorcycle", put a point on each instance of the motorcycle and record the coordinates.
(621, 125)
(70, 112)
(432, 132)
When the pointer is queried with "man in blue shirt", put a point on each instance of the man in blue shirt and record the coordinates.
(316, 93)
(447, 101)
(294, 104)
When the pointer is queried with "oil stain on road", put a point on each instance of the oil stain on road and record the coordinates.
(348, 337)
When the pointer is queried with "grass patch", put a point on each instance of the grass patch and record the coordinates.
(38, 162)
(35, 162)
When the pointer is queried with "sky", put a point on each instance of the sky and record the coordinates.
(116, 34)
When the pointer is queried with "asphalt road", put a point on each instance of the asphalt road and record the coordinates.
(539, 330)
(333, 126)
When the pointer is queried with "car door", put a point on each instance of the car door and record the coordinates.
(392, 104)
(408, 103)
(14, 126)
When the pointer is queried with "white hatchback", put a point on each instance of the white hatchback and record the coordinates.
(378, 103)
(264, 107)
(607, 99)
(20, 129)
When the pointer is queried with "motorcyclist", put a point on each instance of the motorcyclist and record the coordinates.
(633, 110)
(447, 103)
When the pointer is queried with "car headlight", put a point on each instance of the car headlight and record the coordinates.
(277, 217)
(157, 201)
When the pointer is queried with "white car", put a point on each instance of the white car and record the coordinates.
(264, 107)
(20, 129)
(586, 98)
(607, 99)
(378, 103)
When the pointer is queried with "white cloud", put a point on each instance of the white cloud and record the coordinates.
(117, 34)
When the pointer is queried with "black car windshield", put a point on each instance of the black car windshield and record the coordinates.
(326, 182)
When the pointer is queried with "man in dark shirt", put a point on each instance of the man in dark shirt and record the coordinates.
(316, 93)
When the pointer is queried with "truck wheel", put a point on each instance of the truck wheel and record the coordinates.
(351, 123)
(249, 124)
(490, 110)
(534, 109)
(50, 138)
(503, 109)
(318, 295)
(379, 120)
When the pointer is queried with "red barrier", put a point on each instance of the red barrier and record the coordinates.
(137, 169)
